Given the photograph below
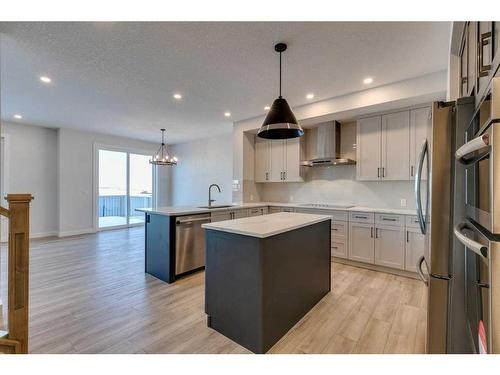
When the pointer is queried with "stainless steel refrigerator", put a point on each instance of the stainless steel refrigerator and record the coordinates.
(439, 194)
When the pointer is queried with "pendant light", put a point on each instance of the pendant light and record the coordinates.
(162, 156)
(280, 122)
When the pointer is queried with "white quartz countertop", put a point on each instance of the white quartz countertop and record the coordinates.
(190, 210)
(398, 211)
(267, 225)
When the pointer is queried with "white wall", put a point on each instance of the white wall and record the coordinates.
(32, 168)
(202, 163)
(76, 176)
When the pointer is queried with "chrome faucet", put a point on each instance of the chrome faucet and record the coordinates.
(210, 200)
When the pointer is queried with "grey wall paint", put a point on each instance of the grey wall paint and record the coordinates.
(33, 169)
(202, 163)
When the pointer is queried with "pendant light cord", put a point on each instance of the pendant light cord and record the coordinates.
(280, 75)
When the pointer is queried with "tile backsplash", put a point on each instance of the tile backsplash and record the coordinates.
(337, 184)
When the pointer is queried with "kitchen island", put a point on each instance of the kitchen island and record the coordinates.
(264, 273)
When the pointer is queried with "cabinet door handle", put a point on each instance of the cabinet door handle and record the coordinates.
(378, 172)
(371, 232)
(484, 40)
(267, 176)
(411, 171)
(284, 175)
(383, 172)
(376, 232)
(407, 236)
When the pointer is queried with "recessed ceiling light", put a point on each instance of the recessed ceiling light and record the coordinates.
(45, 79)
(368, 80)
(177, 96)
(18, 116)
(227, 114)
(310, 96)
(267, 108)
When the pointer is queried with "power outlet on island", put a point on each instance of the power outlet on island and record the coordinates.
(403, 202)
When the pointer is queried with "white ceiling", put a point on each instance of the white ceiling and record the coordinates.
(119, 78)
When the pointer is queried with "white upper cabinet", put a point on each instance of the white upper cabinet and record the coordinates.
(368, 148)
(294, 154)
(278, 164)
(395, 146)
(388, 146)
(420, 120)
(262, 160)
(278, 160)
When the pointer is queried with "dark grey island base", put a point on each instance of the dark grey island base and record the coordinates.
(256, 289)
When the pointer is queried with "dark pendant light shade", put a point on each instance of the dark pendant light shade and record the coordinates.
(280, 122)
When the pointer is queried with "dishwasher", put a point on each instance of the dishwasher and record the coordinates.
(190, 242)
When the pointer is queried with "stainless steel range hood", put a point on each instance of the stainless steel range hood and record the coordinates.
(323, 146)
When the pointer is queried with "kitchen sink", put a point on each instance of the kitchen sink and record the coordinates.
(216, 206)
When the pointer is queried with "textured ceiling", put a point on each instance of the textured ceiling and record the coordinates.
(119, 78)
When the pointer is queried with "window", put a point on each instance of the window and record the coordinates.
(125, 182)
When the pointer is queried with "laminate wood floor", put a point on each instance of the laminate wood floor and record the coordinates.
(89, 294)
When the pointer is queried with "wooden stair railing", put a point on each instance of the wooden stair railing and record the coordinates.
(16, 339)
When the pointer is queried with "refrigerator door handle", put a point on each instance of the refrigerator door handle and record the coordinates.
(420, 273)
(418, 182)
(476, 247)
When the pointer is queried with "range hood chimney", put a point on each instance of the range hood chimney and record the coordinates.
(323, 146)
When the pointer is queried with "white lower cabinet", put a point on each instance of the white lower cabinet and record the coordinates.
(339, 248)
(258, 211)
(228, 215)
(361, 242)
(376, 243)
(390, 246)
(414, 248)
(220, 216)
(238, 214)
(340, 237)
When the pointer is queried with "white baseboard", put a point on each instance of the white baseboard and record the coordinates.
(4, 237)
(75, 232)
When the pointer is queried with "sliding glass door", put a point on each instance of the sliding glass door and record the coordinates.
(125, 182)
(140, 185)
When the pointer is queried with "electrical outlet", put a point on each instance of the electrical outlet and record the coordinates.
(291, 198)
(251, 197)
(403, 202)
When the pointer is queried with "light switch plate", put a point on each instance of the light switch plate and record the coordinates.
(403, 202)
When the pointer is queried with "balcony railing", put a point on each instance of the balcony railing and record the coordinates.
(116, 205)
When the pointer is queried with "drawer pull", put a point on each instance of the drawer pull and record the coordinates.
(360, 217)
(335, 229)
(388, 219)
(334, 247)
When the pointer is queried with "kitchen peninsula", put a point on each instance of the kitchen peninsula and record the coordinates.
(264, 273)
